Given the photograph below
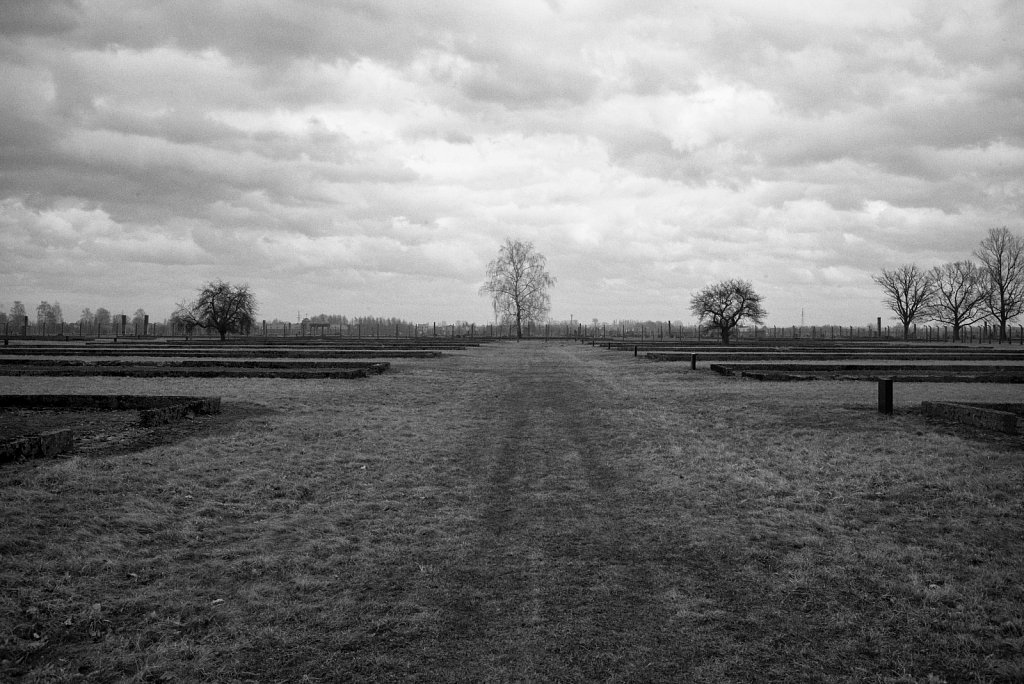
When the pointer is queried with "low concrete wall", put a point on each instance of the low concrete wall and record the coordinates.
(38, 446)
(976, 415)
(121, 370)
(777, 377)
(177, 411)
(106, 402)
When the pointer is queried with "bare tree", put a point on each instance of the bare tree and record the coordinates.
(518, 283)
(139, 320)
(908, 290)
(1001, 254)
(723, 306)
(102, 319)
(49, 314)
(960, 291)
(220, 306)
(43, 313)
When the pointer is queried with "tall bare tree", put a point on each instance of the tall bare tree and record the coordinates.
(220, 306)
(1001, 254)
(139, 322)
(907, 290)
(723, 306)
(958, 296)
(518, 283)
(102, 319)
(49, 314)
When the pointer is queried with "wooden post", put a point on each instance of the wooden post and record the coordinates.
(885, 395)
(693, 362)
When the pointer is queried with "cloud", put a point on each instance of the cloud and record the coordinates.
(374, 154)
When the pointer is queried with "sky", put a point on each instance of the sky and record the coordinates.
(369, 157)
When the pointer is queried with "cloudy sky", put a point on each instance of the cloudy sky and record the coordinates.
(368, 157)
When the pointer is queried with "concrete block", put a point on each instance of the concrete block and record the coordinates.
(978, 416)
(44, 445)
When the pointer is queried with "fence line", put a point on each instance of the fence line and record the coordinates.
(122, 327)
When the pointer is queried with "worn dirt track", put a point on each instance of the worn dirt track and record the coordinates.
(561, 570)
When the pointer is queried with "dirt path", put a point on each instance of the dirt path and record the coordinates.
(561, 577)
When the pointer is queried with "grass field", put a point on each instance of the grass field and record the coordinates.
(522, 512)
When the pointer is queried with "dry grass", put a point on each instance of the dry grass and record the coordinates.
(522, 512)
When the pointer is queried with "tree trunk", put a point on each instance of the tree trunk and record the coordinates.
(906, 331)
(725, 335)
(956, 333)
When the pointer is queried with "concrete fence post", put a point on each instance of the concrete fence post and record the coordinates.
(885, 395)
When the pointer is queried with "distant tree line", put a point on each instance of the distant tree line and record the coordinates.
(225, 308)
(368, 322)
(49, 317)
(961, 293)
